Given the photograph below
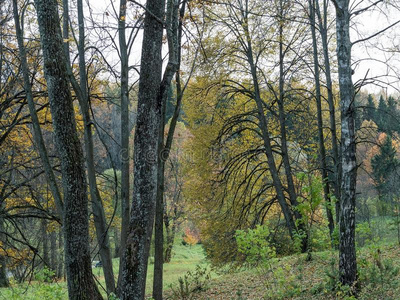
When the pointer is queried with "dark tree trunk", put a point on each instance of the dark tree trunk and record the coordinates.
(174, 33)
(124, 153)
(53, 251)
(3, 262)
(60, 269)
(263, 125)
(117, 249)
(45, 243)
(145, 156)
(347, 249)
(321, 140)
(36, 131)
(323, 29)
(284, 147)
(170, 232)
(81, 284)
(99, 217)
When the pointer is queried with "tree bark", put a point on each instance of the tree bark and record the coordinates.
(3, 262)
(347, 249)
(53, 251)
(323, 29)
(45, 243)
(36, 131)
(60, 268)
(174, 34)
(99, 217)
(145, 156)
(124, 151)
(81, 284)
(321, 140)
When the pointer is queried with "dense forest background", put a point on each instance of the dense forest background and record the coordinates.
(232, 135)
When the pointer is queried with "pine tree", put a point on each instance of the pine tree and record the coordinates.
(383, 165)
(370, 109)
(381, 115)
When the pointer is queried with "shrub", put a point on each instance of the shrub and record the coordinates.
(255, 246)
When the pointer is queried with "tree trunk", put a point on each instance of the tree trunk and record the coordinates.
(323, 29)
(3, 262)
(60, 272)
(347, 249)
(36, 131)
(170, 241)
(99, 217)
(53, 251)
(284, 147)
(174, 33)
(263, 125)
(321, 140)
(124, 154)
(81, 284)
(45, 243)
(145, 156)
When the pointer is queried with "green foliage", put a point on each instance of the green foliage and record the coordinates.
(363, 234)
(377, 274)
(45, 275)
(255, 246)
(383, 165)
(284, 284)
(192, 282)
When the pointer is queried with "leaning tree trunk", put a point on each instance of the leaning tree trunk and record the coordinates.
(36, 131)
(347, 249)
(145, 156)
(81, 284)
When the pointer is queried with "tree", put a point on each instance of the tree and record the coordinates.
(321, 139)
(382, 115)
(384, 165)
(347, 249)
(145, 155)
(81, 284)
(370, 110)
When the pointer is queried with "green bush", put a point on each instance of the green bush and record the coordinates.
(255, 246)
(191, 283)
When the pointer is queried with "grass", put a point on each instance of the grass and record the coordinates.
(291, 277)
(185, 258)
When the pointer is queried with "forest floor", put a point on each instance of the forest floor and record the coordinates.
(291, 277)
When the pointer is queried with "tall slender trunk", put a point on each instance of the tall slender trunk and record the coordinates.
(45, 243)
(145, 156)
(174, 33)
(323, 29)
(321, 140)
(36, 131)
(53, 251)
(124, 154)
(284, 147)
(81, 284)
(347, 249)
(99, 218)
(263, 125)
(3, 262)
(60, 249)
